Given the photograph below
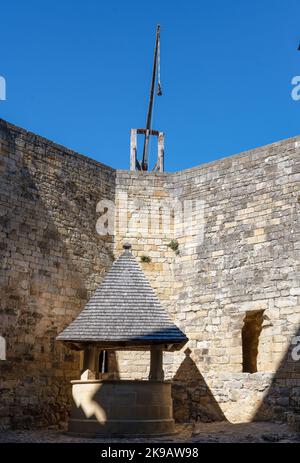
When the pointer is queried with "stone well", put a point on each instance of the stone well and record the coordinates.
(113, 407)
(123, 314)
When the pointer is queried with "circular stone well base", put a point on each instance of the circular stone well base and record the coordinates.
(121, 408)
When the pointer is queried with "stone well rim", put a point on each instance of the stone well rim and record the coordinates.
(119, 381)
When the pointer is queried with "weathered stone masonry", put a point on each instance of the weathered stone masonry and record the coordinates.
(51, 261)
(247, 264)
(248, 261)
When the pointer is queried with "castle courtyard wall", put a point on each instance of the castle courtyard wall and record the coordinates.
(238, 253)
(51, 262)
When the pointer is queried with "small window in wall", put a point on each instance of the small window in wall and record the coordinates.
(103, 361)
(250, 338)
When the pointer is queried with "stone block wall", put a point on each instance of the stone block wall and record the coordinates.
(238, 254)
(51, 261)
(218, 242)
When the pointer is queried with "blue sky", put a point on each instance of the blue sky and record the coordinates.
(78, 72)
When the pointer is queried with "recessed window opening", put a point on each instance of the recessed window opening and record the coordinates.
(250, 339)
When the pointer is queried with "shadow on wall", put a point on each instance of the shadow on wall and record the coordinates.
(283, 394)
(44, 277)
(113, 367)
(192, 398)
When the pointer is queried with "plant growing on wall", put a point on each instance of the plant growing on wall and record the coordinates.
(174, 245)
(111, 255)
(145, 259)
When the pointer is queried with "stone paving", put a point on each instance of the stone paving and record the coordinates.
(221, 432)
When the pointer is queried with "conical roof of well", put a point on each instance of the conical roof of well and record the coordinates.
(124, 311)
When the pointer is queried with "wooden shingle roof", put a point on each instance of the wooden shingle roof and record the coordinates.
(124, 312)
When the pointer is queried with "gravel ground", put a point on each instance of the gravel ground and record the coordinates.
(199, 432)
